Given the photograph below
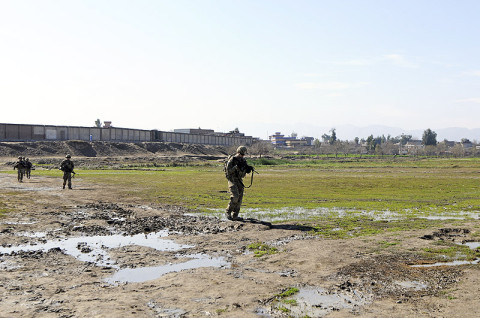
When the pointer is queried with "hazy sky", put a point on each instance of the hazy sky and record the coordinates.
(259, 65)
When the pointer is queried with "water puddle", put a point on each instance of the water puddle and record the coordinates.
(318, 302)
(415, 285)
(166, 312)
(94, 248)
(472, 245)
(300, 213)
(18, 223)
(454, 263)
(33, 234)
(443, 218)
(137, 275)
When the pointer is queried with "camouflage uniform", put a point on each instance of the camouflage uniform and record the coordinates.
(20, 166)
(236, 169)
(67, 167)
(28, 168)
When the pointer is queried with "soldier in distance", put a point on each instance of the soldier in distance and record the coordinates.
(67, 167)
(28, 167)
(20, 166)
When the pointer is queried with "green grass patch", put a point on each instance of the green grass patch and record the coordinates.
(408, 188)
(288, 292)
(292, 302)
(269, 162)
(377, 188)
(357, 226)
(261, 249)
(283, 309)
(3, 209)
(451, 251)
(385, 244)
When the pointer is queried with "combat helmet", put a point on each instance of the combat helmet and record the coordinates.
(68, 156)
(242, 150)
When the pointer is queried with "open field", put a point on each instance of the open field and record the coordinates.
(324, 237)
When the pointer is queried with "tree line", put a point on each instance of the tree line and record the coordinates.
(380, 145)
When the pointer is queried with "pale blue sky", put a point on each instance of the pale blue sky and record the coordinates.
(261, 66)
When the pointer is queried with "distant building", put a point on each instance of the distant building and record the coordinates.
(280, 140)
(293, 143)
(309, 140)
(467, 144)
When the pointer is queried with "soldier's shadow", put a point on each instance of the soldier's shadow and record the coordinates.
(290, 227)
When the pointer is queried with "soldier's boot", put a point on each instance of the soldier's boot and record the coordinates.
(228, 214)
(235, 216)
(64, 185)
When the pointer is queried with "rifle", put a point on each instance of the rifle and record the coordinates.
(73, 172)
(251, 179)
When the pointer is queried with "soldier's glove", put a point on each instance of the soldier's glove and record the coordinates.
(249, 169)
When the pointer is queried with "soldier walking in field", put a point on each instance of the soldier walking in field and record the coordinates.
(235, 170)
(67, 167)
(28, 168)
(20, 166)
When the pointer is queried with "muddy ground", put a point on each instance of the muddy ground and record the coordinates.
(207, 270)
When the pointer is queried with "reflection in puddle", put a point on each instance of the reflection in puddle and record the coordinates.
(94, 248)
(137, 275)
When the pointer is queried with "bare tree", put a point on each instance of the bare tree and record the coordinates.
(391, 149)
(261, 148)
(458, 150)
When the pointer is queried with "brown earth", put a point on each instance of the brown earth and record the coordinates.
(80, 148)
(378, 282)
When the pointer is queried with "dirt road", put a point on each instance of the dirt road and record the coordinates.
(90, 252)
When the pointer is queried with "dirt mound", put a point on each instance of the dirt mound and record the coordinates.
(80, 148)
(33, 149)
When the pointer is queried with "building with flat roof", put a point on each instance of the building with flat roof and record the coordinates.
(280, 140)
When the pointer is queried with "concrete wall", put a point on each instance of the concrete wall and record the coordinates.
(17, 132)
